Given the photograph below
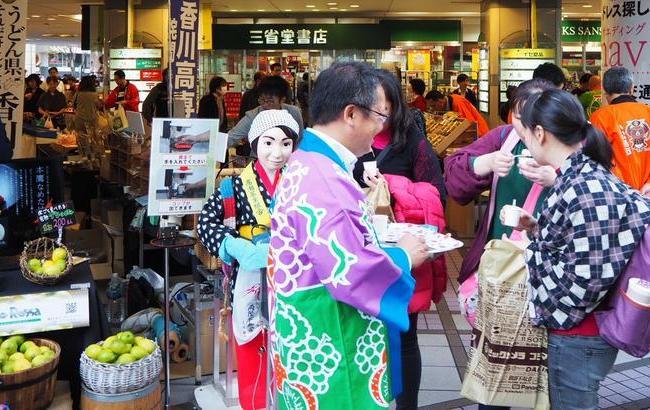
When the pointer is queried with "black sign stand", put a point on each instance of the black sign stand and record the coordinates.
(167, 244)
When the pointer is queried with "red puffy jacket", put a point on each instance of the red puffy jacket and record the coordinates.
(419, 203)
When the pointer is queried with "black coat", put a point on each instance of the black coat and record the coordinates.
(6, 152)
(208, 109)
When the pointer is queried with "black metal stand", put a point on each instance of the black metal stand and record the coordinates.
(167, 244)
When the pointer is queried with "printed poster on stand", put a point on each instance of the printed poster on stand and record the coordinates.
(184, 153)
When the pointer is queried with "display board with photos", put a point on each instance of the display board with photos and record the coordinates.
(184, 153)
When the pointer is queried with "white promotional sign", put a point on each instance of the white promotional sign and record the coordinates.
(182, 165)
(625, 41)
(13, 15)
(136, 53)
(42, 312)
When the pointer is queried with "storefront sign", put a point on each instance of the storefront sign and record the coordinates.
(184, 43)
(418, 60)
(12, 66)
(581, 31)
(182, 165)
(626, 30)
(132, 53)
(42, 312)
(300, 36)
(423, 30)
(150, 75)
(545, 53)
(134, 64)
(483, 76)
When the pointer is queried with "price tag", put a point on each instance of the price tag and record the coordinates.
(56, 217)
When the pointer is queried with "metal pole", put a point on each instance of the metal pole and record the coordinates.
(198, 358)
(166, 338)
(170, 57)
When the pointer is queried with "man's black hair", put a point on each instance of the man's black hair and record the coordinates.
(273, 86)
(120, 74)
(550, 72)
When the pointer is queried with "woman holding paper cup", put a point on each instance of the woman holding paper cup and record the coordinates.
(404, 158)
(589, 227)
(234, 226)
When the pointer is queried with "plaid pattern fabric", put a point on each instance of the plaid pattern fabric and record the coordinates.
(589, 227)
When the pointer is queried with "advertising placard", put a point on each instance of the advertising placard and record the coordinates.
(42, 312)
(184, 44)
(625, 33)
(184, 153)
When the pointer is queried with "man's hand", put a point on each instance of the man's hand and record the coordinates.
(543, 175)
(416, 248)
(372, 180)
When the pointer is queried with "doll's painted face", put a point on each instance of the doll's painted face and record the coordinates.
(274, 148)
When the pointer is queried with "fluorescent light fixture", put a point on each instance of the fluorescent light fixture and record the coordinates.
(332, 4)
(36, 16)
(587, 6)
(354, 6)
(310, 6)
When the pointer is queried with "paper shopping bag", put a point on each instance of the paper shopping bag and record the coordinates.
(508, 359)
(379, 199)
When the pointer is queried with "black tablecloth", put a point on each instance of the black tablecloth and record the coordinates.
(72, 341)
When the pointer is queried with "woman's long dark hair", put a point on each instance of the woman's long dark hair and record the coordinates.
(400, 117)
(561, 114)
(87, 84)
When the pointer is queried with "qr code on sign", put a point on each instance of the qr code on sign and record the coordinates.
(71, 307)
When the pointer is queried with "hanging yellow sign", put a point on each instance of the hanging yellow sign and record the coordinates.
(419, 60)
(528, 53)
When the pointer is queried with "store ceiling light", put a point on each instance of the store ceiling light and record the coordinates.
(315, 9)
(288, 10)
(51, 19)
(334, 8)
(332, 4)
(36, 16)
(260, 10)
(310, 6)
(587, 6)
(354, 6)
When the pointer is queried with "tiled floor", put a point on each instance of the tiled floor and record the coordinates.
(444, 339)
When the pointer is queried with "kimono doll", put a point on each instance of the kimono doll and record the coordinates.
(272, 137)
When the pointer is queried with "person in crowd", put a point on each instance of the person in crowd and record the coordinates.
(489, 164)
(583, 86)
(156, 105)
(589, 227)
(6, 151)
(505, 110)
(591, 100)
(273, 91)
(250, 97)
(52, 103)
(465, 90)
(339, 299)
(302, 95)
(213, 104)
(626, 124)
(552, 73)
(85, 104)
(276, 69)
(125, 94)
(54, 72)
(436, 101)
(418, 87)
(406, 160)
(273, 135)
(33, 93)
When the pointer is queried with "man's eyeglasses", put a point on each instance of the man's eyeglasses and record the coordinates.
(382, 117)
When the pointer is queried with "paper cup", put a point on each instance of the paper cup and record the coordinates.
(380, 222)
(370, 167)
(511, 216)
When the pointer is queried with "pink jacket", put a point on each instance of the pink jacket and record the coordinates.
(419, 203)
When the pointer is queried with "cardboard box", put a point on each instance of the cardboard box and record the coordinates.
(460, 219)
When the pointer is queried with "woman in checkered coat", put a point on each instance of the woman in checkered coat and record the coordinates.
(589, 227)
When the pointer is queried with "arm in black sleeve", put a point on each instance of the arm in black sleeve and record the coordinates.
(6, 152)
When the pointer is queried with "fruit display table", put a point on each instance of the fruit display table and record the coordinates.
(72, 341)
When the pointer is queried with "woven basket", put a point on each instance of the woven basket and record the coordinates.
(120, 378)
(42, 248)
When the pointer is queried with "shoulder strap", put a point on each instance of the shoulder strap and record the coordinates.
(229, 207)
(508, 146)
(383, 154)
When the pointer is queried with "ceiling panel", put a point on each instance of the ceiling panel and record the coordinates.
(55, 15)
